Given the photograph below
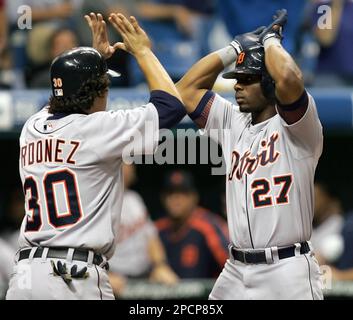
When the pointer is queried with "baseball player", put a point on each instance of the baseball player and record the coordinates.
(70, 165)
(272, 140)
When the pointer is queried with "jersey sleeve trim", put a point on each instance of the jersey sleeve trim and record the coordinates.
(212, 239)
(170, 109)
(200, 114)
(307, 110)
(293, 112)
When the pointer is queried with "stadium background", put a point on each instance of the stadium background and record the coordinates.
(177, 51)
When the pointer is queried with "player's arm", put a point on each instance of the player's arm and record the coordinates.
(118, 283)
(196, 84)
(164, 94)
(138, 44)
(201, 77)
(289, 85)
(161, 272)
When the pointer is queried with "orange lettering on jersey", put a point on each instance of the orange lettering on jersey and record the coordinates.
(39, 148)
(23, 155)
(30, 153)
(49, 150)
(248, 164)
(58, 151)
(75, 144)
(269, 155)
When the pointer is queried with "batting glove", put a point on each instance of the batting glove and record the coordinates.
(279, 20)
(246, 40)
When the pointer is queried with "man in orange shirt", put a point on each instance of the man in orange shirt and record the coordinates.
(194, 238)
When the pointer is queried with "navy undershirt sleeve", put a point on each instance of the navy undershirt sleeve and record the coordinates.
(293, 112)
(201, 106)
(200, 114)
(170, 109)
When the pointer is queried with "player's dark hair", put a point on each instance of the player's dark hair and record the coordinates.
(83, 100)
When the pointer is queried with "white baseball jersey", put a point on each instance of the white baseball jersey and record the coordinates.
(131, 257)
(270, 173)
(70, 168)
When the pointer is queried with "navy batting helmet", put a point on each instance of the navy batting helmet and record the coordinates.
(72, 68)
(251, 61)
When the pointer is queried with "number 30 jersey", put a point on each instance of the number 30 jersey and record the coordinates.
(70, 167)
(270, 173)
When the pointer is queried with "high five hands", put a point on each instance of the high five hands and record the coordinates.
(135, 39)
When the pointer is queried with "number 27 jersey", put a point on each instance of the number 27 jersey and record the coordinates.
(270, 174)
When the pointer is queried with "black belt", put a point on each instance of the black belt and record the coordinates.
(259, 256)
(61, 253)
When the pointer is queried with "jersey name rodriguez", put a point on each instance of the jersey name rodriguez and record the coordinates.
(49, 151)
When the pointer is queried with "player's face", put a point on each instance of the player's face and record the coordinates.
(248, 94)
(180, 204)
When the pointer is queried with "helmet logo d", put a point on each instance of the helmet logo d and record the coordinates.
(241, 57)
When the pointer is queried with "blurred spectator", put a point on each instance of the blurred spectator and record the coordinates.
(45, 15)
(346, 259)
(139, 252)
(44, 10)
(245, 15)
(195, 239)
(59, 41)
(327, 224)
(3, 26)
(6, 74)
(5, 62)
(342, 270)
(334, 65)
(179, 30)
(6, 265)
(14, 212)
(181, 12)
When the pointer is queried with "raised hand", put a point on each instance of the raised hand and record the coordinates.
(135, 39)
(100, 36)
(274, 30)
(246, 40)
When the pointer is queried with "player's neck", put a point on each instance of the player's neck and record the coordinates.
(96, 108)
(99, 104)
(268, 112)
